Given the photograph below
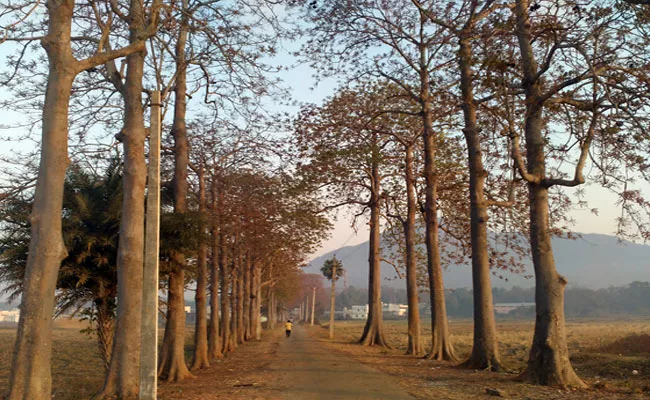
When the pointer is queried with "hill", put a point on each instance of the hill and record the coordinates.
(594, 261)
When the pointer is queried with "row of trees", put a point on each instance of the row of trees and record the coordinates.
(539, 94)
(235, 221)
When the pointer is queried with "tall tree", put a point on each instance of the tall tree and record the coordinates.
(602, 80)
(122, 378)
(393, 40)
(332, 270)
(172, 366)
(461, 20)
(344, 157)
(31, 373)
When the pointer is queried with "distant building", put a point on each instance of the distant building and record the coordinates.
(10, 316)
(397, 310)
(356, 312)
(506, 308)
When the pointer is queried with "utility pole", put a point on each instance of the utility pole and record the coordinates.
(332, 300)
(313, 305)
(149, 337)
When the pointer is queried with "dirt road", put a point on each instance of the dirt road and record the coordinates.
(310, 370)
(276, 368)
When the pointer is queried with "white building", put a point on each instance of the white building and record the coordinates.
(356, 312)
(10, 316)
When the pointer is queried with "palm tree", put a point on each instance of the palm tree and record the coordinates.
(332, 270)
(87, 281)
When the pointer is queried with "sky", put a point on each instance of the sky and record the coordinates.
(299, 79)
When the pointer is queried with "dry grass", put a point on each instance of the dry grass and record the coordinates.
(604, 353)
(77, 371)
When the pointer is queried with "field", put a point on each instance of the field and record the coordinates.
(77, 370)
(612, 356)
(605, 353)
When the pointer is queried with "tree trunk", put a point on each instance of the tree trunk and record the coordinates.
(441, 348)
(232, 342)
(373, 332)
(31, 376)
(548, 362)
(255, 301)
(485, 349)
(172, 362)
(104, 327)
(247, 298)
(201, 358)
(306, 319)
(270, 309)
(122, 379)
(225, 295)
(172, 366)
(240, 301)
(214, 341)
(313, 306)
(415, 345)
(258, 305)
(174, 340)
(332, 302)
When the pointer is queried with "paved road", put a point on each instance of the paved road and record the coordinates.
(311, 370)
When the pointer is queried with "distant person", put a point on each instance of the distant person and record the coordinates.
(288, 327)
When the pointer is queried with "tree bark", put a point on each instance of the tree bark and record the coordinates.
(485, 349)
(201, 358)
(441, 347)
(31, 376)
(373, 332)
(548, 362)
(415, 345)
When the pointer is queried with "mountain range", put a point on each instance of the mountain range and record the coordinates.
(592, 261)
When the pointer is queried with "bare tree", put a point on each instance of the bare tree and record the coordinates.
(31, 375)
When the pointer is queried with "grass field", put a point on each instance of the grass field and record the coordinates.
(605, 352)
(626, 343)
(612, 355)
(77, 370)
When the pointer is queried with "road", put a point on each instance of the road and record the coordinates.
(309, 370)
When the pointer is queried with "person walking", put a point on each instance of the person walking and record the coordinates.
(288, 326)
